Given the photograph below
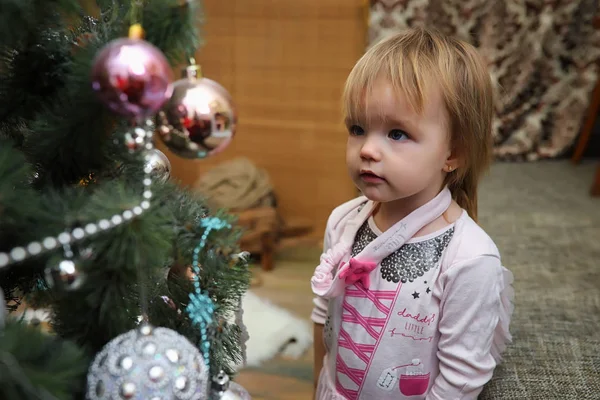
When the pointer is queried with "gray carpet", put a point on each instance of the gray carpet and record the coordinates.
(547, 228)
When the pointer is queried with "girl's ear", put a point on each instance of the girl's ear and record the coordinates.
(452, 162)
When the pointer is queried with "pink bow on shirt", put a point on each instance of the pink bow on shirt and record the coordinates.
(357, 271)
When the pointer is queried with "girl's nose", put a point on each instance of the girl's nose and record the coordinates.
(370, 149)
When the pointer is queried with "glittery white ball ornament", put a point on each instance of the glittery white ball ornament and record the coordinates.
(148, 363)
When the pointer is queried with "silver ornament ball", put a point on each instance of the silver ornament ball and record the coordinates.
(64, 276)
(224, 389)
(199, 119)
(148, 363)
(158, 163)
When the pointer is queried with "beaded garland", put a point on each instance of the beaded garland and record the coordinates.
(201, 308)
(78, 234)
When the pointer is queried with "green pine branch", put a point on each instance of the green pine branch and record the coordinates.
(31, 76)
(22, 218)
(38, 366)
(19, 18)
(52, 124)
(108, 302)
(172, 26)
(63, 123)
(66, 140)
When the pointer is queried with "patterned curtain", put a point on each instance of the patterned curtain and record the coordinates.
(542, 56)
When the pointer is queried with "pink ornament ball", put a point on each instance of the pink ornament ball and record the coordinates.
(132, 78)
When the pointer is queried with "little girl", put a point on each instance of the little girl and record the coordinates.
(412, 299)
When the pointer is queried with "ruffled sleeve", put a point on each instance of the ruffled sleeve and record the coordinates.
(475, 311)
(502, 336)
(319, 312)
(324, 280)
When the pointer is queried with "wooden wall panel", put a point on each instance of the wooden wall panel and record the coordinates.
(284, 62)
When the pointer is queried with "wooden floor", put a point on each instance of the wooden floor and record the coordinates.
(288, 285)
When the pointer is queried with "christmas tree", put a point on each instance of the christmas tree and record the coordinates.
(142, 280)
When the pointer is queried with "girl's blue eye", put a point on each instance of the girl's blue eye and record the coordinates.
(356, 130)
(397, 134)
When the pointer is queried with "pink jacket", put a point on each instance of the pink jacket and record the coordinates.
(419, 318)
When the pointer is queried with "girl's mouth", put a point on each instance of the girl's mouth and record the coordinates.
(370, 177)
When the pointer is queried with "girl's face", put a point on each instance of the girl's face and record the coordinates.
(396, 153)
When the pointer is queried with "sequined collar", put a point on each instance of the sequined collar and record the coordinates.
(410, 261)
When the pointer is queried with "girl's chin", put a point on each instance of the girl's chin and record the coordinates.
(375, 194)
(380, 194)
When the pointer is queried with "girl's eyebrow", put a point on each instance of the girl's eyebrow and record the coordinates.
(393, 120)
(386, 119)
(354, 121)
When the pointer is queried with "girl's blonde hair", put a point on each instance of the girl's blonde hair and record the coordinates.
(415, 60)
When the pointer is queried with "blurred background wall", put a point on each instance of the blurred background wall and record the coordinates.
(284, 63)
